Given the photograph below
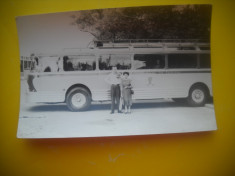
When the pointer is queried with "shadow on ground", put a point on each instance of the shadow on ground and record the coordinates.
(101, 107)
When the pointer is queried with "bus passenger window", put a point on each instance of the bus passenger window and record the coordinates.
(205, 61)
(21, 66)
(79, 63)
(25, 65)
(149, 61)
(121, 61)
(182, 61)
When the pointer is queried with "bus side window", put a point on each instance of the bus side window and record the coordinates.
(25, 65)
(21, 66)
(65, 64)
(68, 66)
(205, 61)
(104, 62)
(149, 61)
(182, 61)
(79, 63)
(121, 61)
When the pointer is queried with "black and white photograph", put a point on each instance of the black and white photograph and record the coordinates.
(116, 72)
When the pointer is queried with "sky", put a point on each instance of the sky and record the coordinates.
(49, 33)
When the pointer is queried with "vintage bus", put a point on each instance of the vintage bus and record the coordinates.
(176, 69)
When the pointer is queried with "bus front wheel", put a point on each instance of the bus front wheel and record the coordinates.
(78, 99)
(197, 96)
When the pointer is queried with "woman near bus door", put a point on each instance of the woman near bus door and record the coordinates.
(126, 92)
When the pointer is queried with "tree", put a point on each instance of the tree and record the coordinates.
(155, 22)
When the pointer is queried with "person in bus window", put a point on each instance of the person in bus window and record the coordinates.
(113, 79)
(68, 66)
(157, 65)
(126, 92)
(47, 69)
(65, 64)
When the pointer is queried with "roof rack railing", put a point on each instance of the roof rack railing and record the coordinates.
(148, 42)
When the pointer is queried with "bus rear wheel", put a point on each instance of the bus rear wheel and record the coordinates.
(197, 96)
(78, 99)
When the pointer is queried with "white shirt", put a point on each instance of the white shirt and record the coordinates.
(113, 78)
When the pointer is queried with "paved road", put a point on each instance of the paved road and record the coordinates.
(165, 116)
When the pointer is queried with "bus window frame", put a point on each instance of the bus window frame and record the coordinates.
(129, 54)
(83, 54)
(195, 53)
(152, 69)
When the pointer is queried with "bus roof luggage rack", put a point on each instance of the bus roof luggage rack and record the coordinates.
(150, 43)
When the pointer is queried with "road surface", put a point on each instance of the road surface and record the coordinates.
(162, 116)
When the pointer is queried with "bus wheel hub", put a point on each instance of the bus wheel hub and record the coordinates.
(197, 95)
(78, 100)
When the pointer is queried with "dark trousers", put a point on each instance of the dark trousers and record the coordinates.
(30, 83)
(115, 96)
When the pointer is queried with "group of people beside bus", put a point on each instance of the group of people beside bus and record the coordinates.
(121, 91)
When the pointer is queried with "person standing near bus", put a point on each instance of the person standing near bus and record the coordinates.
(114, 80)
(126, 92)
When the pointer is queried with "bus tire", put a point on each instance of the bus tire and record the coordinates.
(78, 99)
(197, 96)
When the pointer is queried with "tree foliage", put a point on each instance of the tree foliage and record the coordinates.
(155, 22)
